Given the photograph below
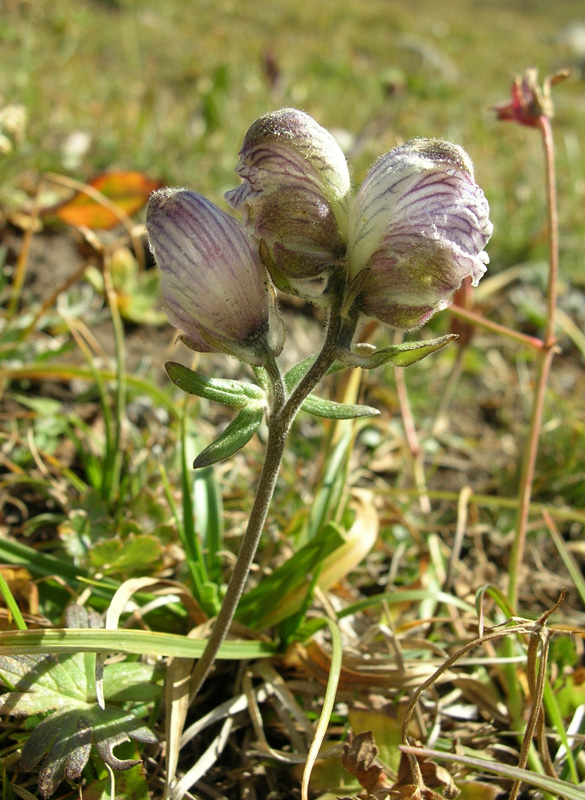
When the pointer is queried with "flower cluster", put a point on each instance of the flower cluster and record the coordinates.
(397, 251)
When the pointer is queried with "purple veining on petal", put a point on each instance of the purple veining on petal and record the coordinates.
(211, 276)
(295, 193)
(418, 226)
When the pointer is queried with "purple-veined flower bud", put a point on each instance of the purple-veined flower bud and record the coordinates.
(214, 286)
(417, 228)
(295, 194)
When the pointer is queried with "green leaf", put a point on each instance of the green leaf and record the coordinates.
(66, 686)
(367, 356)
(400, 355)
(135, 681)
(298, 372)
(153, 643)
(554, 786)
(127, 556)
(130, 785)
(65, 740)
(236, 435)
(44, 683)
(329, 409)
(220, 390)
(280, 594)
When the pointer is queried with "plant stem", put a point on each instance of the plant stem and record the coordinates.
(483, 322)
(553, 224)
(545, 357)
(281, 418)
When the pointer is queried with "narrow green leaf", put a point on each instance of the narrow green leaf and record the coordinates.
(496, 595)
(281, 593)
(368, 357)
(207, 507)
(11, 604)
(220, 390)
(329, 409)
(298, 372)
(100, 640)
(556, 787)
(328, 494)
(70, 575)
(40, 371)
(400, 355)
(236, 435)
(569, 561)
(191, 542)
(555, 715)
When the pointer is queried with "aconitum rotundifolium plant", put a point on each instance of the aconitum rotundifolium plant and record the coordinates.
(396, 251)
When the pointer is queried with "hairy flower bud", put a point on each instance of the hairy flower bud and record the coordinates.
(214, 286)
(417, 228)
(294, 196)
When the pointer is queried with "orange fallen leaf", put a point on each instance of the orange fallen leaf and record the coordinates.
(95, 207)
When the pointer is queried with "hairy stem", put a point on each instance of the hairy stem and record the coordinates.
(281, 418)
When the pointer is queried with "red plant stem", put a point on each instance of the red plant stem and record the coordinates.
(477, 319)
(545, 358)
(549, 151)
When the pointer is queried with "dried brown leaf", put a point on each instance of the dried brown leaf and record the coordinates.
(433, 775)
(360, 759)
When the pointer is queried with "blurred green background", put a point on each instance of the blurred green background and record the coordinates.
(171, 87)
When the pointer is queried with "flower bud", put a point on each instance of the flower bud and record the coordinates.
(417, 229)
(295, 194)
(530, 100)
(214, 286)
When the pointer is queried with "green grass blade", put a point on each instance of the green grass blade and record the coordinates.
(208, 510)
(568, 560)
(44, 565)
(11, 604)
(190, 540)
(137, 642)
(283, 592)
(405, 596)
(554, 786)
(328, 496)
(556, 719)
(67, 372)
(115, 455)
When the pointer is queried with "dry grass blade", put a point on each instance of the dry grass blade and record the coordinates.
(204, 764)
(177, 680)
(328, 703)
(130, 587)
(277, 686)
